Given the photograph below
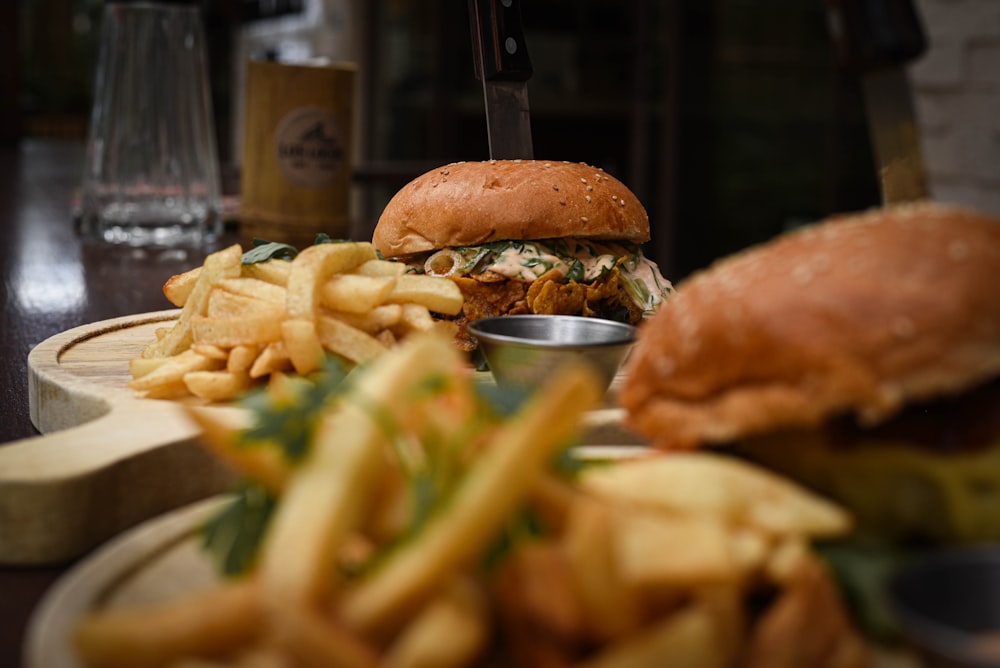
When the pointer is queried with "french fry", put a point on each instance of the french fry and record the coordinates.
(251, 329)
(435, 293)
(174, 389)
(699, 551)
(351, 343)
(320, 505)
(722, 487)
(174, 369)
(271, 271)
(272, 359)
(610, 609)
(222, 264)
(786, 558)
(302, 344)
(450, 632)
(217, 385)
(210, 623)
(726, 605)
(752, 549)
(223, 304)
(254, 287)
(140, 366)
(323, 501)
(208, 350)
(374, 321)
(380, 268)
(242, 357)
(315, 641)
(415, 318)
(313, 266)
(446, 328)
(264, 465)
(496, 482)
(387, 338)
(391, 508)
(178, 287)
(691, 637)
(353, 293)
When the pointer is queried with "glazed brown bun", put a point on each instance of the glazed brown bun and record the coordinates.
(849, 343)
(471, 203)
(858, 314)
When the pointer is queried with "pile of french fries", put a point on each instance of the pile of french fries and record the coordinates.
(688, 559)
(239, 323)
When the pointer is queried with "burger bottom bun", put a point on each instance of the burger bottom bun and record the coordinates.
(895, 492)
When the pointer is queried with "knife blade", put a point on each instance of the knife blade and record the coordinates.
(896, 137)
(503, 65)
(876, 39)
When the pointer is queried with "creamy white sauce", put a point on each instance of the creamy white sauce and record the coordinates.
(528, 260)
(518, 263)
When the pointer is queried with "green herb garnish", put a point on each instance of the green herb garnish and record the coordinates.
(290, 422)
(524, 526)
(263, 251)
(233, 536)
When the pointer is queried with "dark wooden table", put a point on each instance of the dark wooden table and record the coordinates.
(53, 281)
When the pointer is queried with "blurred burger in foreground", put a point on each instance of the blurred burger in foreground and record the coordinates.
(859, 355)
(526, 236)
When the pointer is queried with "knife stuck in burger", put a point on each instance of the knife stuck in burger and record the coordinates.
(526, 236)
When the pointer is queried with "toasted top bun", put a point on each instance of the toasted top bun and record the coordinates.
(471, 203)
(858, 314)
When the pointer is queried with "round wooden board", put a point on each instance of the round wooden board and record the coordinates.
(157, 562)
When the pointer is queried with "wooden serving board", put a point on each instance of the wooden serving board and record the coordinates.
(106, 459)
(159, 561)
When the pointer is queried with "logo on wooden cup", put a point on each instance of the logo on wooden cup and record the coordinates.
(309, 148)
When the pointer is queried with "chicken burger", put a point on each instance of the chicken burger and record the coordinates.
(526, 236)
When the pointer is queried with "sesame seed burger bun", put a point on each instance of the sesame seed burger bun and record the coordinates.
(472, 203)
(860, 313)
(867, 343)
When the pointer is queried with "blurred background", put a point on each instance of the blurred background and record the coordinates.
(730, 119)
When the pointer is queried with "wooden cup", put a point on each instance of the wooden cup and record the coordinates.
(296, 174)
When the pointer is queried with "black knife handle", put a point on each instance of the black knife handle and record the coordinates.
(869, 34)
(498, 44)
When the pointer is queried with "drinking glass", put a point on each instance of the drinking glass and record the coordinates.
(151, 176)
